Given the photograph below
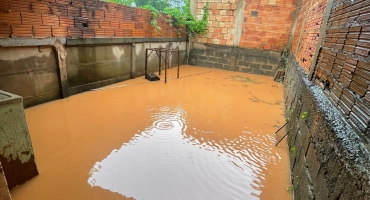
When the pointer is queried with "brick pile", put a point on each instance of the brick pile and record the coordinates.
(220, 21)
(267, 24)
(344, 62)
(307, 31)
(78, 19)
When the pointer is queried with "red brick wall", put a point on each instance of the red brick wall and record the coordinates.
(78, 19)
(307, 31)
(268, 30)
(221, 19)
(271, 27)
(344, 62)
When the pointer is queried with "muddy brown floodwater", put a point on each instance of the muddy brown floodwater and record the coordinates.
(207, 135)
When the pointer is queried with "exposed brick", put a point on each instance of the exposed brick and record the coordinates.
(74, 11)
(98, 14)
(31, 18)
(74, 32)
(40, 7)
(20, 5)
(52, 20)
(66, 2)
(104, 24)
(22, 30)
(80, 22)
(42, 31)
(4, 5)
(88, 33)
(66, 21)
(357, 88)
(362, 51)
(59, 31)
(5, 31)
(58, 9)
(10, 18)
(78, 3)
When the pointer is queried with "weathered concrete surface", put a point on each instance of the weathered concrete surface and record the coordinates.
(92, 64)
(238, 25)
(252, 61)
(28, 42)
(44, 73)
(111, 41)
(329, 160)
(30, 72)
(4, 191)
(16, 152)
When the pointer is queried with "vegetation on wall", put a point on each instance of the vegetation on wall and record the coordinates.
(175, 12)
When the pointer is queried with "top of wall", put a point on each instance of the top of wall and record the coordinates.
(79, 19)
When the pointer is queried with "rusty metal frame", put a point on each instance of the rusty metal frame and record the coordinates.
(166, 59)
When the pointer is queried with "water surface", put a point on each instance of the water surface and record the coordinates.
(207, 135)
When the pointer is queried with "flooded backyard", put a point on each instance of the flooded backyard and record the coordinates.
(207, 135)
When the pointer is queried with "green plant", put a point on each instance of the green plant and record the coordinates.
(304, 115)
(293, 151)
(295, 185)
(193, 25)
(291, 188)
(178, 18)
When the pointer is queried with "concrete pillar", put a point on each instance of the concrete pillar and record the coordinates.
(133, 60)
(4, 191)
(62, 65)
(16, 152)
(238, 24)
(322, 36)
(292, 30)
(193, 7)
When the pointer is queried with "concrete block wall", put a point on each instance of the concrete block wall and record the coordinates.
(79, 19)
(329, 159)
(246, 60)
(344, 63)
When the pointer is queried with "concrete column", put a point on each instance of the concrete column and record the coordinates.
(4, 191)
(16, 152)
(193, 7)
(62, 65)
(133, 60)
(292, 31)
(322, 36)
(238, 24)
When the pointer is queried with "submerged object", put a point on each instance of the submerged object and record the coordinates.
(151, 76)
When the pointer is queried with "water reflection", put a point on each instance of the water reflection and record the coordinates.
(170, 159)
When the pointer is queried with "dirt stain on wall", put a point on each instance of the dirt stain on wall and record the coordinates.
(203, 136)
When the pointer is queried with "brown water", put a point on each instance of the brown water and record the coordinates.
(207, 135)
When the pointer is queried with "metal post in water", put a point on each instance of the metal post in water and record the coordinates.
(178, 64)
(160, 61)
(165, 67)
(146, 61)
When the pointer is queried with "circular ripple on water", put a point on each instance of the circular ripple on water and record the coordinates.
(163, 125)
